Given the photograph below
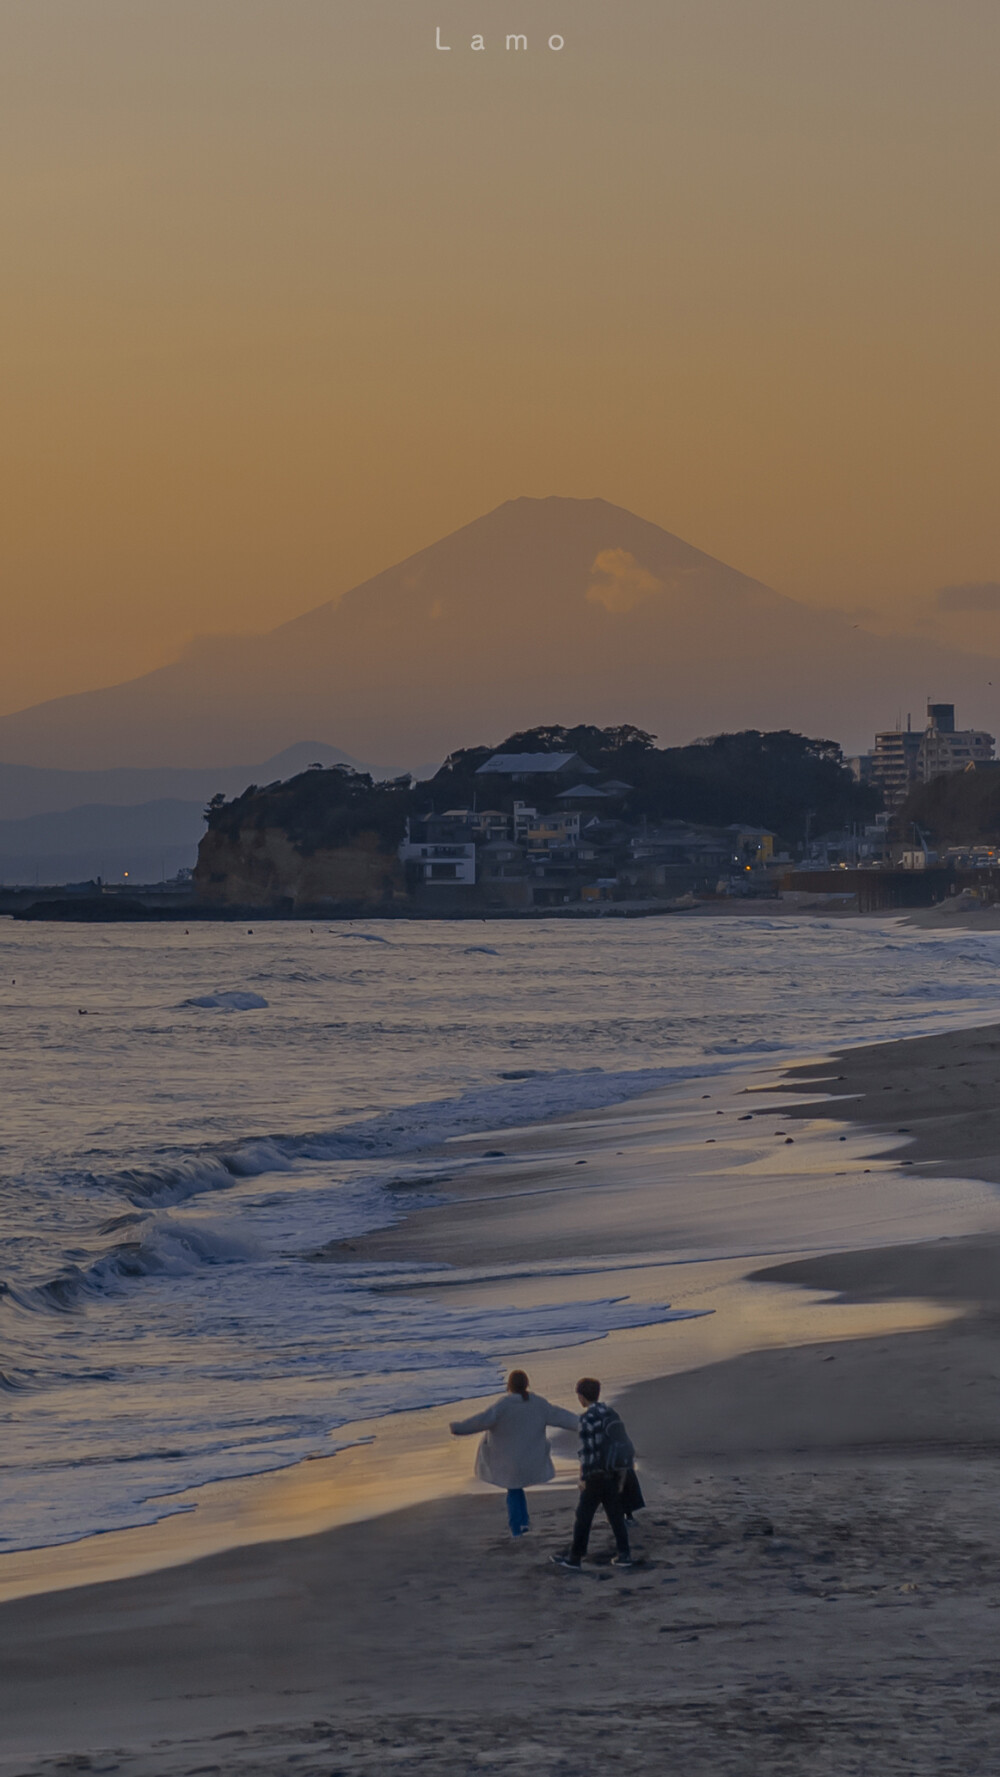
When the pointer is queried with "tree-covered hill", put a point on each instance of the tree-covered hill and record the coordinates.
(787, 782)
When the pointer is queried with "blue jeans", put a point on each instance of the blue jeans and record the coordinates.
(517, 1511)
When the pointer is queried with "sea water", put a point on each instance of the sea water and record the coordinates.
(189, 1115)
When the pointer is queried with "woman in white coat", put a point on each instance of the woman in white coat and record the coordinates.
(514, 1452)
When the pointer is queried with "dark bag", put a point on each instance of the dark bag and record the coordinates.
(618, 1450)
(632, 1500)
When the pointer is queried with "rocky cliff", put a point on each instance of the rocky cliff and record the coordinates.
(260, 866)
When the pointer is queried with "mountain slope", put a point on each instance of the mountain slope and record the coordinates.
(544, 610)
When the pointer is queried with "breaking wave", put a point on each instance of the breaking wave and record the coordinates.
(529, 1098)
(232, 1000)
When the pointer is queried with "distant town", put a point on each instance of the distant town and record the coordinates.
(581, 844)
(584, 820)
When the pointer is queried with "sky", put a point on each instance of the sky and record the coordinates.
(289, 293)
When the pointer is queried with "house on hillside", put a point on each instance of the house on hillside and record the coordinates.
(552, 832)
(500, 860)
(584, 796)
(481, 824)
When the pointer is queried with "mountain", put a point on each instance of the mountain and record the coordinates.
(34, 790)
(552, 610)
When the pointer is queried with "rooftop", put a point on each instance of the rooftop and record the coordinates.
(533, 765)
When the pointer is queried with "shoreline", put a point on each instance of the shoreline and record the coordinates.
(557, 1230)
(853, 1385)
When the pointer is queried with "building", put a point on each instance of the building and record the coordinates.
(675, 845)
(524, 817)
(894, 764)
(439, 861)
(945, 748)
(482, 824)
(489, 824)
(751, 845)
(902, 758)
(551, 832)
(501, 861)
(551, 768)
(585, 796)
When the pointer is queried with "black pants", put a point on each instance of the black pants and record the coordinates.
(599, 1490)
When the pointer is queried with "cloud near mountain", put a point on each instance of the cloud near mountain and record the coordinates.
(622, 582)
(543, 610)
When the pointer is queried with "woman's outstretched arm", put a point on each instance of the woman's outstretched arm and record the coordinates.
(563, 1417)
(479, 1421)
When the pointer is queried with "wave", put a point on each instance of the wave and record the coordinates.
(523, 1100)
(11, 1382)
(955, 990)
(163, 1248)
(230, 1000)
(157, 1246)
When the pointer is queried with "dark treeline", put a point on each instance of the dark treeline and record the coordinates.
(320, 808)
(784, 781)
(780, 780)
(960, 809)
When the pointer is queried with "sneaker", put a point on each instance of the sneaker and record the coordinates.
(623, 1561)
(565, 1561)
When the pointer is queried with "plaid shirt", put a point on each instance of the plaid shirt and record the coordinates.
(593, 1442)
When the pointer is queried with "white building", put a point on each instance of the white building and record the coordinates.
(442, 861)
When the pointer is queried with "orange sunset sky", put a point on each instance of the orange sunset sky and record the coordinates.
(289, 294)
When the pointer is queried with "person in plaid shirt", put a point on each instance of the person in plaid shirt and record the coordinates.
(599, 1484)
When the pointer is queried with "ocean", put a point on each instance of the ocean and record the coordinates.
(188, 1116)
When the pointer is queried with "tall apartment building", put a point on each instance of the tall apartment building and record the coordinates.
(902, 758)
(894, 764)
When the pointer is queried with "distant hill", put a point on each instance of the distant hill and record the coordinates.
(71, 826)
(551, 610)
(29, 789)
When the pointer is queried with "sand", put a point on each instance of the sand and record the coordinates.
(820, 1557)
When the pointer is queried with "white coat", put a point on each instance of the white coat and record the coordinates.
(515, 1451)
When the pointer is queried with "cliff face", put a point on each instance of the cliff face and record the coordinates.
(261, 867)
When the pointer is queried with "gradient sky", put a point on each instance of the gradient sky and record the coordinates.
(288, 294)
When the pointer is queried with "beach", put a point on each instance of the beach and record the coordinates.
(820, 1559)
